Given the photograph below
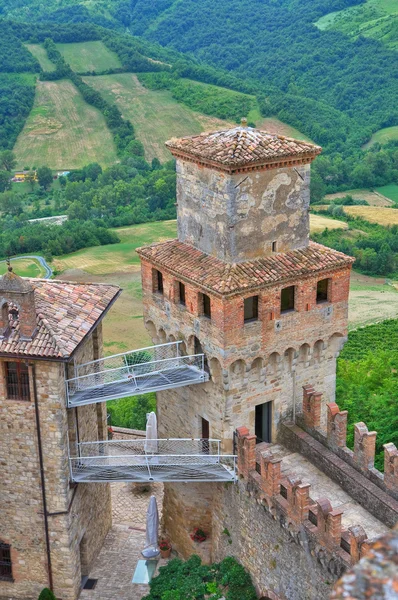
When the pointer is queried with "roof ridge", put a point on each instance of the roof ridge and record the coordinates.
(42, 319)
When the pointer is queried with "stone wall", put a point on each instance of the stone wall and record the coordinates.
(238, 217)
(84, 511)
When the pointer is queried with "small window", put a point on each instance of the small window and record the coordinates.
(157, 281)
(5, 562)
(251, 309)
(181, 291)
(273, 246)
(206, 306)
(17, 378)
(287, 299)
(322, 289)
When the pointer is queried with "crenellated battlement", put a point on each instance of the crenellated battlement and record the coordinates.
(289, 500)
(363, 456)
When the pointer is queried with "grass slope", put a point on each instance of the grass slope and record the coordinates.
(89, 56)
(375, 18)
(41, 54)
(63, 131)
(374, 214)
(25, 267)
(383, 136)
(274, 125)
(156, 116)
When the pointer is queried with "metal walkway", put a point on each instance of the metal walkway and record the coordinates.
(168, 460)
(137, 372)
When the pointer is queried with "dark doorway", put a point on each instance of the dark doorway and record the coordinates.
(263, 422)
(205, 436)
(199, 350)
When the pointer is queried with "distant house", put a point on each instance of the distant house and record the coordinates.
(62, 174)
(21, 176)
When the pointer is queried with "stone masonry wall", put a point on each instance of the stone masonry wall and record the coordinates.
(238, 217)
(85, 510)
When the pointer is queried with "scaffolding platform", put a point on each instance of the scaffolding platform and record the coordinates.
(141, 371)
(172, 460)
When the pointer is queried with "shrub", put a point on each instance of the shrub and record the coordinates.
(47, 594)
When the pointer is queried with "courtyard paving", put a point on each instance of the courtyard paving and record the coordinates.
(115, 565)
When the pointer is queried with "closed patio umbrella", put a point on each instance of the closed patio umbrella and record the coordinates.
(152, 526)
(151, 443)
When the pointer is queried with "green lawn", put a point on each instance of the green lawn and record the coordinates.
(89, 56)
(63, 131)
(156, 116)
(383, 136)
(25, 267)
(375, 18)
(41, 54)
(391, 191)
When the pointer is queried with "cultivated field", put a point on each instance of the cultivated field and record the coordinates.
(63, 131)
(273, 125)
(319, 223)
(89, 56)
(371, 300)
(41, 54)
(374, 214)
(156, 116)
(374, 18)
(373, 198)
(25, 267)
(390, 191)
(383, 136)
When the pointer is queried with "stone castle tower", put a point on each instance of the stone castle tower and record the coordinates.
(244, 284)
(50, 530)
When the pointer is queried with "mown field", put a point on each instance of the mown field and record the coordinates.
(374, 18)
(391, 191)
(63, 131)
(373, 198)
(374, 214)
(274, 125)
(370, 299)
(25, 267)
(156, 116)
(383, 136)
(89, 56)
(41, 54)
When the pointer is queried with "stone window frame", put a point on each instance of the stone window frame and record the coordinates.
(324, 300)
(256, 312)
(292, 308)
(5, 562)
(22, 387)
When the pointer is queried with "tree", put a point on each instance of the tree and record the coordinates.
(10, 203)
(5, 181)
(92, 171)
(7, 160)
(47, 594)
(31, 179)
(45, 177)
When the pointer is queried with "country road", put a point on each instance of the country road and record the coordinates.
(47, 269)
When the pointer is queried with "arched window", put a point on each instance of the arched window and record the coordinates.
(5, 562)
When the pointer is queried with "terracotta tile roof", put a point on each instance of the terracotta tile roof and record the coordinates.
(219, 277)
(66, 312)
(241, 147)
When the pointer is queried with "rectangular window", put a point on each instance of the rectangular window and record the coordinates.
(273, 246)
(157, 281)
(251, 309)
(181, 291)
(17, 378)
(5, 563)
(287, 299)
(206, 306)
(322, 288)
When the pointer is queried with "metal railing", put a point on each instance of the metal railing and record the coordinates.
(139, 371)
(152, 460)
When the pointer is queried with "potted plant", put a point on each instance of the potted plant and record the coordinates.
(165, 548)
(198, 535)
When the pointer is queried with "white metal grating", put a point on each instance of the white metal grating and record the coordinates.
(137, 372)
(130, 460)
